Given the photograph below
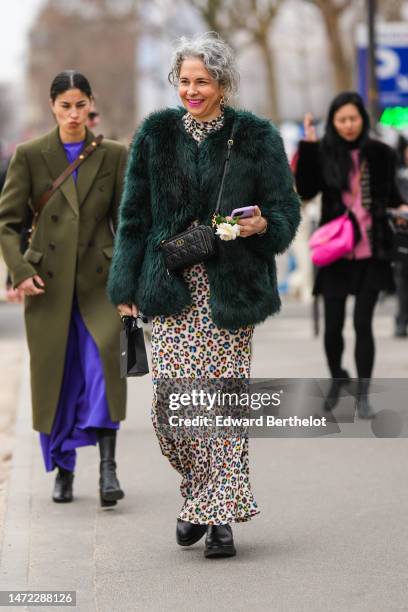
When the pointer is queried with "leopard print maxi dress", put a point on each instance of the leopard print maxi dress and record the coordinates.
(214, 469)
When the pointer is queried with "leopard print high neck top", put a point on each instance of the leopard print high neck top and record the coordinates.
(199, 130)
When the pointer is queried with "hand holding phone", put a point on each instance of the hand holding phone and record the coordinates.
(244, 212)
(250, 220)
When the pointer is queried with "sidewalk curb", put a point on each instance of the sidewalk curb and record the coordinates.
(15, 549)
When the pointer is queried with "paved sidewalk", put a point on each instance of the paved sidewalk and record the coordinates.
(331, 536)
(11, 346)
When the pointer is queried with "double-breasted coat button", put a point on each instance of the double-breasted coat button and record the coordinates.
(54, 218)
(49, 274)
(91, 243)
(99, 269)
(52, 246)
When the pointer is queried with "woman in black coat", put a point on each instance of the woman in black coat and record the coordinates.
(356, 173)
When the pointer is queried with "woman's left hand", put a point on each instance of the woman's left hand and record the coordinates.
(252, 225)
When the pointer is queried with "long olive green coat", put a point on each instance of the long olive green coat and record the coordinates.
(71, 250)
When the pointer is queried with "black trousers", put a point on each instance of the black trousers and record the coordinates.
(364, 350)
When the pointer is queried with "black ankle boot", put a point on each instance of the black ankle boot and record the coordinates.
(109, 487)
(62, 493)
(341, 379)
(189, 533)
(364, 408)
(219, 542)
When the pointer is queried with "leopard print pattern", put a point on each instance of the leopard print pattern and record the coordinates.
(214, 469)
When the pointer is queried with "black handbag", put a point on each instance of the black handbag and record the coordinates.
(197, 243)
(133, 357)
(188, 248)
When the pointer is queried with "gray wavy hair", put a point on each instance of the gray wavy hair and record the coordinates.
(217, 56)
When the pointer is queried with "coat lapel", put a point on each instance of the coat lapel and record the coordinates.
(89, 169)
(56, 160)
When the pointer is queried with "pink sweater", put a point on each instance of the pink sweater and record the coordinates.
(353, 201)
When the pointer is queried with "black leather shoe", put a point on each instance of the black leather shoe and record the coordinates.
(62, 493)
(219, 542)
(189, 533)
(109, 487)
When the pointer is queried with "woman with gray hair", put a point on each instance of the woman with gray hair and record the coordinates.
(204, 309)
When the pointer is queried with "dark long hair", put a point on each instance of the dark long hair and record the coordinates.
(336, 158)
(69, 79)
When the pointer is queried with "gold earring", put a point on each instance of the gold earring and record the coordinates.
(222, 103)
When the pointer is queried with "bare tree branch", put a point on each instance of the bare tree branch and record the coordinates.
(331, 12)
(252, 17)
(391, 10)
(343, 6)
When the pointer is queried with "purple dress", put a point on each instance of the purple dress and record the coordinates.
(82, 406)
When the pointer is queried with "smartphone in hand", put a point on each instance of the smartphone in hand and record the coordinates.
(244, 212)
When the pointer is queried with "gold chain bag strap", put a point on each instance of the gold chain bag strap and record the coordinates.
(197, 243)
(42, 200)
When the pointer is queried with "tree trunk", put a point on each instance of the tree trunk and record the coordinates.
(341, 65)
(267, 52)
(391, 9)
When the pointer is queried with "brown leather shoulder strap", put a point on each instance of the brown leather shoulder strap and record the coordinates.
(42, 200)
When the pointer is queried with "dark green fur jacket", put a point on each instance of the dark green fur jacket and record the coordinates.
(171, 181)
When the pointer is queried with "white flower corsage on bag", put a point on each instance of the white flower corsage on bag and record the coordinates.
(226, 228)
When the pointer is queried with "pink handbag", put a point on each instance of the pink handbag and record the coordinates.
(332, 241)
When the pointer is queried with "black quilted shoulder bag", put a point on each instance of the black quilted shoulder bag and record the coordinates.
(196, 243)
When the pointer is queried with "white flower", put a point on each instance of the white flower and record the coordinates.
(226, 231)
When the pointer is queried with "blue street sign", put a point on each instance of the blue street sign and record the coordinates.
(392, 63)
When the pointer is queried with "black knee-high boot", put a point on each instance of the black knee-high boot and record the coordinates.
(109, 487)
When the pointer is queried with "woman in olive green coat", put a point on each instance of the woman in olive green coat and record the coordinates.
(78, 396)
